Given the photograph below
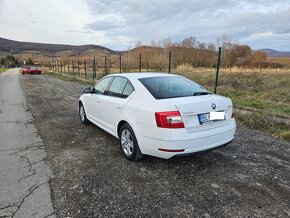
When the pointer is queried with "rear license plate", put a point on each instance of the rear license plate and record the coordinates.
(211, 117)
(204, 118)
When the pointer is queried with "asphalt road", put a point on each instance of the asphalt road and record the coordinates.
(24, 172)
(248, 178)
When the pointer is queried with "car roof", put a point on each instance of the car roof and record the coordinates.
(139, 75)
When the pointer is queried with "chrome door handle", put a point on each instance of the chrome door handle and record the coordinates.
(119, 106)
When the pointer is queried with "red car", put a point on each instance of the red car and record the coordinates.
(30, 70)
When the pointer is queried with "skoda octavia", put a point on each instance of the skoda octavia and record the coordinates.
(162, 115)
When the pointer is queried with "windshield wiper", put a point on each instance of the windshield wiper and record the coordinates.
(201, 93)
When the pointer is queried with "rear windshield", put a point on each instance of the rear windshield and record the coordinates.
(172, 87)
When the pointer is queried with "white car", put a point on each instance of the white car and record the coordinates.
(158, 114)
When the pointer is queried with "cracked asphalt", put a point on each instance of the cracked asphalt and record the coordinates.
(248, 178)
(24, 172)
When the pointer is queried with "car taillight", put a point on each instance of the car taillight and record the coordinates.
(233, 115)
(169, 119)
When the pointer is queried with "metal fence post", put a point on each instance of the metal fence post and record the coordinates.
(94, 68)
(217, 70)
(106, 69)
(169, 63)
(140, 63)
(73, 67)
(85, 68)
(120, 64)
(68, 67)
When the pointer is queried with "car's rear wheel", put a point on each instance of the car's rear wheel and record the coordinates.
(83, 116)
(128, 143)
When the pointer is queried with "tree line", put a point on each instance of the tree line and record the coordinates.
(193, 53)
(11, 61)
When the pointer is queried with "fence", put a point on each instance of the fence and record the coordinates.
(100, 66)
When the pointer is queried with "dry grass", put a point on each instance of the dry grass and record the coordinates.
(266, 94)
(284, 61)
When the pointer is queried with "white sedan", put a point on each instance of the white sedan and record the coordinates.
(162, 115)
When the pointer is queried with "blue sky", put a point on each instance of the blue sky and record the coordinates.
(120, 24)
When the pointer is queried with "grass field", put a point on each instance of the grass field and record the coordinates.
(3, 70)
(262, 99)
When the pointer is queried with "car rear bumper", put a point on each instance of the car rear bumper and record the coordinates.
(197, 143)
(203, 151)
(33, 72)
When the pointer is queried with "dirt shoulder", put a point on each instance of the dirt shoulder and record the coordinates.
(249, 177)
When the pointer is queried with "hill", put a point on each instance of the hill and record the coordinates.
(16, 47)
(276, 54)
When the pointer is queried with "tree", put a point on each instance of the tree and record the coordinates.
(29, 61)
(237, 55)
(10, 61)
(258, 58)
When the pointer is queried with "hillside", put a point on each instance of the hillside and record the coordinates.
(16, 47)
(276, 54)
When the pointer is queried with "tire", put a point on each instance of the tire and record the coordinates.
(83, 116)
(128, 143)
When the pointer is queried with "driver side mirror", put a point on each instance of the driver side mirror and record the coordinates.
(87, 90)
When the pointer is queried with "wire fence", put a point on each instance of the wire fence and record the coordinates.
(99, 66)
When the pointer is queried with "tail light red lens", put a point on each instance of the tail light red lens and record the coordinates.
(233, 115)
(169, 119)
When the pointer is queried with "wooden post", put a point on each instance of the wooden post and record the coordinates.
(79, 68)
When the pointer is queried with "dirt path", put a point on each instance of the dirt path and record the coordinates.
(250, 177)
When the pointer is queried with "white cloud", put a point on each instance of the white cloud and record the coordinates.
(118, 24)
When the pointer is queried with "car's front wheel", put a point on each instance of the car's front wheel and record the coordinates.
(128, 143)
(83, 116)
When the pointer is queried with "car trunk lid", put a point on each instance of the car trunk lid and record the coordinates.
(190, 107)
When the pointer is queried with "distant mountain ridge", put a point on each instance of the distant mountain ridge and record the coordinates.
(16, 47)
(8, 46)
(276, 54)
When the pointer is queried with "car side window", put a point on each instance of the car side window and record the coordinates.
(120, 87)
(128, 90)
(101, 86)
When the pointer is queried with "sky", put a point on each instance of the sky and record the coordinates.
(120, 24)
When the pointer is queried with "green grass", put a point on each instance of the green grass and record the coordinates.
(3, 70)
(69, 78)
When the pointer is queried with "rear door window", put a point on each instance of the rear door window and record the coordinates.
(128, 90)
